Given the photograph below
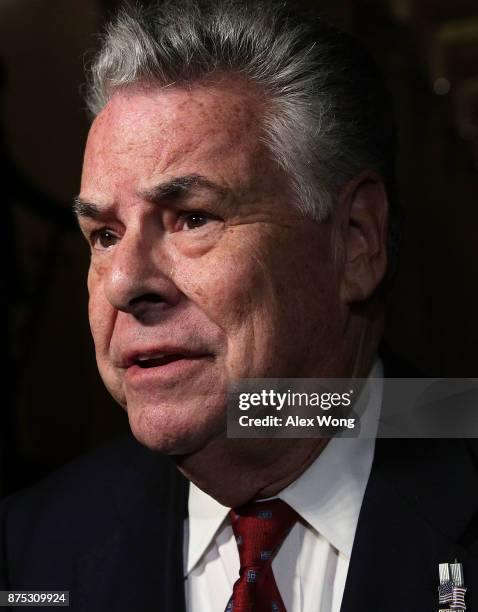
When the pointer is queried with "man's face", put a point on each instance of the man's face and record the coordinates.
(202, 270)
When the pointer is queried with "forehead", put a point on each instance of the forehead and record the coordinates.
(143, 133)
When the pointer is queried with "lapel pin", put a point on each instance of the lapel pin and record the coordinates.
(451, 591)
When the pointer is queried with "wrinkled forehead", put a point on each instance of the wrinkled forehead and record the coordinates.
(148, 130)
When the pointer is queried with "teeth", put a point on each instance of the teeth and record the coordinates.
(149, 357)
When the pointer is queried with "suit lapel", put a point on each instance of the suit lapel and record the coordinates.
(137, 564)
(419, 510)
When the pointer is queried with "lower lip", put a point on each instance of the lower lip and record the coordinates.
(167, 373)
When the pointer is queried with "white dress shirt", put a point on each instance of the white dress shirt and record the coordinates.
(311, 566)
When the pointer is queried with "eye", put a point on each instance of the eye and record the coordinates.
(103, 239)
(195, 220)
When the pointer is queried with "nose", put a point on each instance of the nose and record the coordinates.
(136, 278)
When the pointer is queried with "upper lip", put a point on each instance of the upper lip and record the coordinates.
(133, 356)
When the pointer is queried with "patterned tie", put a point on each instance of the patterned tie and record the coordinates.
(260, 529)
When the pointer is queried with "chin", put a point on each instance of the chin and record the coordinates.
(175, 430)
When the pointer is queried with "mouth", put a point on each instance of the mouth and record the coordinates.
(160, 367)
(158, 361)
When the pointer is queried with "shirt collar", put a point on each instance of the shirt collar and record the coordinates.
(205, 516)
(328, 495)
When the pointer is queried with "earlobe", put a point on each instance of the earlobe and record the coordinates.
(363, 217)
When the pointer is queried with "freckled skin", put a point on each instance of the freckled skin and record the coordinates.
(256, 285)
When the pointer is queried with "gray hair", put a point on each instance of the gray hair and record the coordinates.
(330, 114)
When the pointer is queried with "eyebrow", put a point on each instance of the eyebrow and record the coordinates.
(82, 208)
(175, 187)
(181, 185)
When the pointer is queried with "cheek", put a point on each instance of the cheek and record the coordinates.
(100, 313)
(237, 291)
(228, 286)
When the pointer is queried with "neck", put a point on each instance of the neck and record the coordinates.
(236, 471)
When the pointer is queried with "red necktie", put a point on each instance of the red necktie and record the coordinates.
(260, 529)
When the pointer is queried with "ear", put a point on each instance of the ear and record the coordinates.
(362, 224)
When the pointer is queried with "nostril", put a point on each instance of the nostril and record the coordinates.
(147, 307)
(147, 298)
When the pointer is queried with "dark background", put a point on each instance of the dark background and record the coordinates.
(54, 406)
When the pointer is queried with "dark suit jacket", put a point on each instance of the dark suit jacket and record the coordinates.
(108, 528)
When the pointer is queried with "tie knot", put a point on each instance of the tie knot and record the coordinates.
(260, 528)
